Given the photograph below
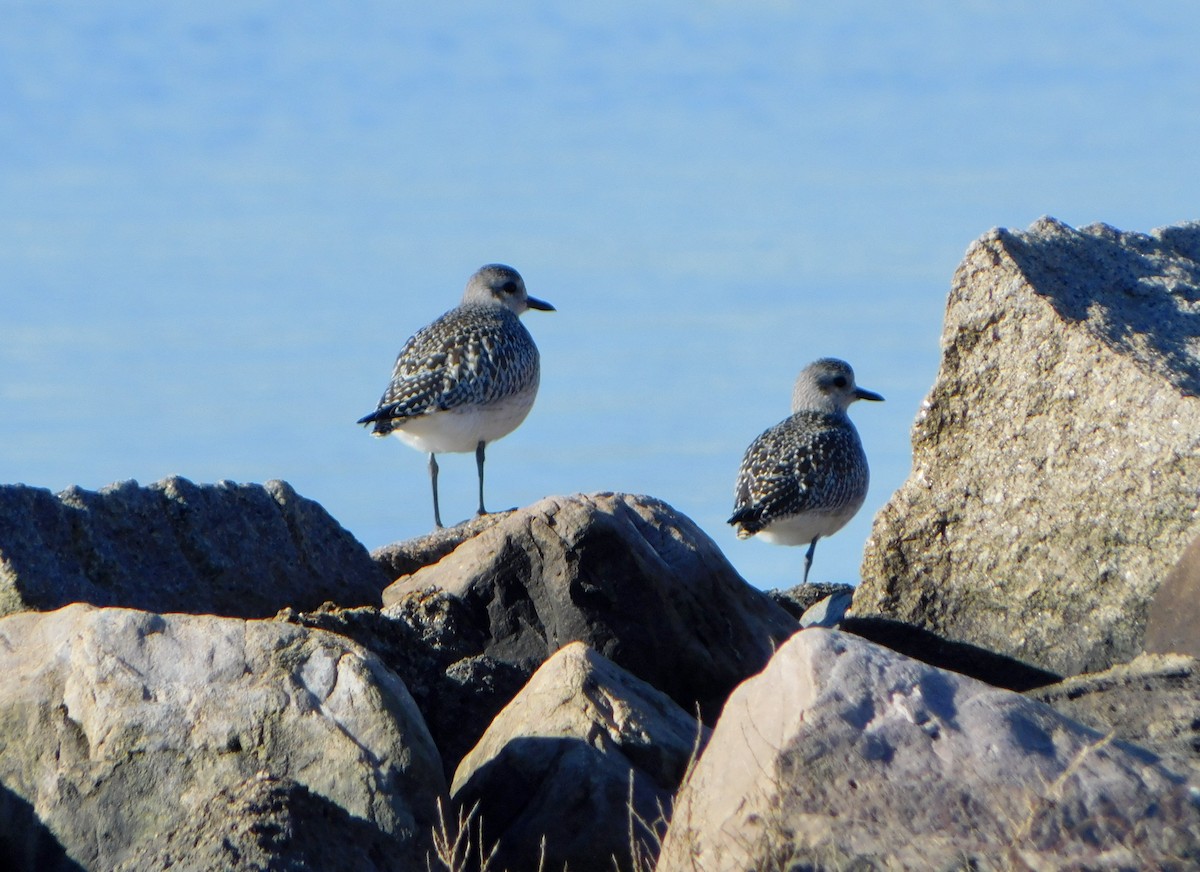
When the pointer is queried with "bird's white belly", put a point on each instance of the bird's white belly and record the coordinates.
(800, 529)
(463, 428)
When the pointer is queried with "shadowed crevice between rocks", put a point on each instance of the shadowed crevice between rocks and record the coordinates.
(998, 670)
(26, 842)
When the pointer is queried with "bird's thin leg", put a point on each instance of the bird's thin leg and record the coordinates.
(479, 464)
(808, 556)
(433, 471)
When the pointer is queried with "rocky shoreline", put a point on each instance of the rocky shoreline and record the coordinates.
(221, 677)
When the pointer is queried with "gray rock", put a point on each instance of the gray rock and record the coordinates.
(126, 733)
(628, 575)
(434, 647)
(1154, 702)
(405, 558)
(267, 822)
(242, 550)
(829, 612)
(1055, 460)
(799, 599)
(842, 754)
(582, 743)
(1173, 624)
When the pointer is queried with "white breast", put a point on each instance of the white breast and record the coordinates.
(800, 529)
(463, 428)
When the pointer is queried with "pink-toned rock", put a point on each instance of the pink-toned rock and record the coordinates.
(842, 754)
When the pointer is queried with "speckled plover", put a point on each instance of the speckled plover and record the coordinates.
(466, 379)
(805, 477)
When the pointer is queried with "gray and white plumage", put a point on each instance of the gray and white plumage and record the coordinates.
(807, 476)
(468, 378)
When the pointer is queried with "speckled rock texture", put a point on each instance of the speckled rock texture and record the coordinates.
(1056, 461)
(239, 550)
(845, 755)
(138, 740)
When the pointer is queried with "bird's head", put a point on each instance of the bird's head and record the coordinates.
(503, 285)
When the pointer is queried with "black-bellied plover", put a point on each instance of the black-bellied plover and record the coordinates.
(466, 379)
(807, 476)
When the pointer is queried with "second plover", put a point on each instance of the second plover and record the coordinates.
(466, 379)
(807, 476)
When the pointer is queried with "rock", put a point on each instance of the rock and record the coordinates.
(989, 667)
(564, 759)
(241, 550)
(266, 822)
(1055, 460)
(126, 733)
(1153, 702)
(827, 613)
(405, 558)
(627, 575)
(433, 646)
(1173, 624)
(27, 843)
(799, 599)
(842, 754)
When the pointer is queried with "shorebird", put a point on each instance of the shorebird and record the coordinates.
(466, 379)
(807, 476)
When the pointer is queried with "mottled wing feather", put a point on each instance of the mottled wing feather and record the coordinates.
(471, 355)
(794, 467)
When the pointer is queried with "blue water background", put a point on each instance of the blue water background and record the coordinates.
(219, 222)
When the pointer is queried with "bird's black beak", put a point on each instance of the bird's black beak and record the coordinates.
(540, 305)
(864, 394)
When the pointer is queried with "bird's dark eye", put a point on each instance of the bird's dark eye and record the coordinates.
(840, 381)
(509, 287)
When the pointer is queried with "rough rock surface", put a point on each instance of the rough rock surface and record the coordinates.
(267, 823)
(240, 550)
(1056, 458)
(1153, 702)
(799, 599)
(564, 759)
(628, 575)
(433, 645)
(842, 754)
(405, 558)
(1174, 621)
(125, 733)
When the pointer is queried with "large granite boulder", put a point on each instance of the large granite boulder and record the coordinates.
(845, 755)
(131, 738)
(628, 575)
(1056, 459)
(586, 757)
(240, 550)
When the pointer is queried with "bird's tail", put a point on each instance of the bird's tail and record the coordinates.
(747, 520)
(381, 419)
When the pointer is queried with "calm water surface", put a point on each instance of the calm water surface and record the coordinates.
(218, 226)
